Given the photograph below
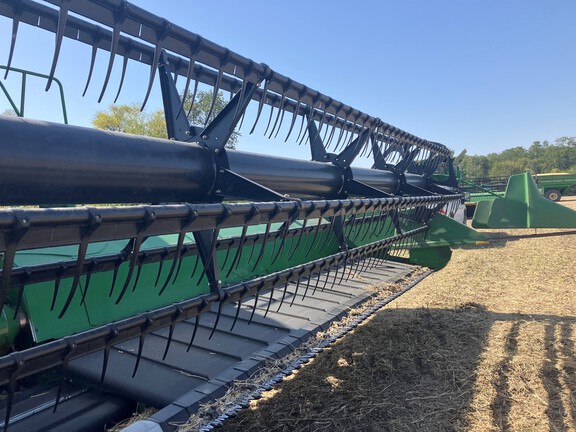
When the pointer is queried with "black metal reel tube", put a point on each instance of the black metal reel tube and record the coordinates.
(47, 163)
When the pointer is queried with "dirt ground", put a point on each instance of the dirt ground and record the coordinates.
(486, 344)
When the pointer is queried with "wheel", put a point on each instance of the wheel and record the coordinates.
(553, 194)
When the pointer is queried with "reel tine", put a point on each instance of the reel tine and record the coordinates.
(175, 316)
(238, 307)
(113, 333)
(196, 325)
(57, 281)
(195, 266)
(122, 76)
(302, 229)
(191, 63)
(20, 363)
(141, 340)
(71, 346)
(218, 315)
(318, 277)
(15, 24)
(62, 18)
(315, 236)
(184, 252)
(337, 146)
(263, 248)
(91, 69)
(271, 295)
(210, 255)
(256, 298)
(113, 49)
(261, 105)
(25, 276)
(161, 266)
(135, 251)
(236, 259)
(301, 128)
(21, 226)
(193, 98)
(141, 260)
(328, 274)
(156, 59)
(177, 259)
(281, 114)
(302, 270)
(270, 119)
(215, 93)
(332, 132)
(335, 275)
(117, 263)
(308, 282)
(290, 274)
(293, 121)
(228, 248)
(93, 263)
(93, 224)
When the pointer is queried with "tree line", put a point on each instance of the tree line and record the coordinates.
(540, 157)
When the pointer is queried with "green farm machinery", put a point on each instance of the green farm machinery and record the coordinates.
(111, 302)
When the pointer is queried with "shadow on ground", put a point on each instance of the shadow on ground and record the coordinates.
(417, 370)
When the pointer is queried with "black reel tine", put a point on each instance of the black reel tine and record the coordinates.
(113, 49)
(143, 334)
(256, 298)
(263, 248)
(279, 117)
(228, 248)
(121, 258)
(269, 118)
(290, 274)
(238, 253)
(308, 282)
(122, 76)
(163, 257)
(91, 69)
(238, 307)
(261, 104)
(71, 346)
(196, 325)
(293, 121)
(62, 18)
(214, 95)
(271, 295)
(180, 259)
(141, 259)
(175, 316)
(82, 249)
(192, 98)
(302, 270)
(21, 225)
(302, 229)
(158, 48)
(91, 267)
(195, 266)
(190, 70)
(177, 260)
(15, 24)
(134, 257)
(218, 315)
(11, 390)
(57, 281)
(113, 333)
(25, 276)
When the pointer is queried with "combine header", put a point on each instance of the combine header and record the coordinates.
(213, 226)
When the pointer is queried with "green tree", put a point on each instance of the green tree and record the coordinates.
(130, 119)
(474, 167)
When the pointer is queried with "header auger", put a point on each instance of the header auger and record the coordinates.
(81, 280)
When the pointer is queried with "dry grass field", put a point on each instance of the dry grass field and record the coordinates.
(486, 344)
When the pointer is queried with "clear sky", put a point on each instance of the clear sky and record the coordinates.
(481, 75)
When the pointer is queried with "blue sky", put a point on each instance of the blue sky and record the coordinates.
(477, 75)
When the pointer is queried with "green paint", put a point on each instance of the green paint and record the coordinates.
(522, 207)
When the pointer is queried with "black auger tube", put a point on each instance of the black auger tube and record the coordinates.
(48, 163)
